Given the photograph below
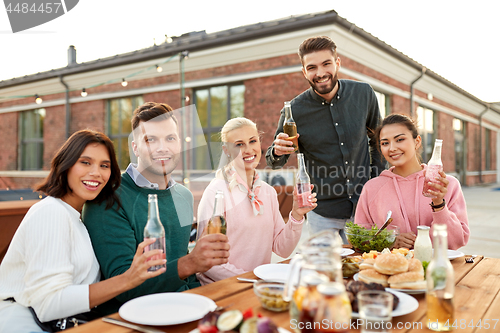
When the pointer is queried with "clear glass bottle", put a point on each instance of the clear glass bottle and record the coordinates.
(217, 223)
(289, 126)
(423, 245)
(154, 229)
(334, 310)
(440, 283)
(433, 167)
(303, 183)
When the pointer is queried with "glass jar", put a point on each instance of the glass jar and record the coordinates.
(318, 261)
(334, 310)
(423, 245)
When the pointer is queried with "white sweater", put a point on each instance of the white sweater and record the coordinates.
(50, 263)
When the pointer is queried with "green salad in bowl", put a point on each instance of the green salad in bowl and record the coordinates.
(357, 234)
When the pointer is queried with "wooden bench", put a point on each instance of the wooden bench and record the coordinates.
(11, 215)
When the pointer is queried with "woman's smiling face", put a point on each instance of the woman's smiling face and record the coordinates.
(244, 147)
(88, 176)
(397, 144)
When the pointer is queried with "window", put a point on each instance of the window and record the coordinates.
(383, 104)
(459, 136)
(31, 139)
(215, 106)
(426, 127)
(487, 149)
(119, 115)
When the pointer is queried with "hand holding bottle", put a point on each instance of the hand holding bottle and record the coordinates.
(142, 262)
(210, 250)
(438, 188)
(299, 212)
(283, 146)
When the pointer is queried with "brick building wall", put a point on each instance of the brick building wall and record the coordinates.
(8, 141)
(264, 99)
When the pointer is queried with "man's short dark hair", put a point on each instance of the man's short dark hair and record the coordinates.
(152, 111)
(314, 44)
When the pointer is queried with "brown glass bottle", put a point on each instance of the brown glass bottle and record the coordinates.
(289, 126)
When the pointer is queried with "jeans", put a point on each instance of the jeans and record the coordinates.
(319, 223)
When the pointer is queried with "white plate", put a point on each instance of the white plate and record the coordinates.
(407, 304)
(280, 330)
(346, 252)
(406, 291)
(273, 272)
(166, 308)
(453, 254)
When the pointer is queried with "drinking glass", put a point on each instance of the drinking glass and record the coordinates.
(375, 311)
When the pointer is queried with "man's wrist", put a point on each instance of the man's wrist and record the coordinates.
(274, 156)
(185, 267)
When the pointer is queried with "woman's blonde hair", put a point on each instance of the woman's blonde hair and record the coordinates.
(233, 124)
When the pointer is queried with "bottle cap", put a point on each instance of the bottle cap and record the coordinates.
(423, 227)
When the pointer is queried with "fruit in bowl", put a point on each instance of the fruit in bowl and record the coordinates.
(358, 235)
(270, 295)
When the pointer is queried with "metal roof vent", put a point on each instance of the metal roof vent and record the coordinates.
(71, 55)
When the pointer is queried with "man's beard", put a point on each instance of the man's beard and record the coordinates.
(325, 89)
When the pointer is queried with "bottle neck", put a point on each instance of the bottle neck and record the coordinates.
(219, 206)
(440, 243)
(153, 212)
(302, 176)
(436, 155)
(424, 233)
(288, 114)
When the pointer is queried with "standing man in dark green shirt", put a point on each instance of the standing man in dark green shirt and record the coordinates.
(334, 120)
(116, 232)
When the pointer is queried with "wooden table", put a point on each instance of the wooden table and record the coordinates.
(477, 297)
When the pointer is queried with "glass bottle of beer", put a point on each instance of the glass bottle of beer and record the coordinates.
(440, 283)
(433, 167)
(289, 126)
(154, 229)
(303, 183)
(217, 223)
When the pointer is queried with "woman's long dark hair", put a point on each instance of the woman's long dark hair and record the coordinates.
(56, 183)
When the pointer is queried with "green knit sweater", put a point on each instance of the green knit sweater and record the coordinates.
(116, 233)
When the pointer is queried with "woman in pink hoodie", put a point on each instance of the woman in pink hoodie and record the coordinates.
(399, 189)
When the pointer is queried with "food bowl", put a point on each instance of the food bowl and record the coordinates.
(270, 295)
(356, 235)
(350, 266)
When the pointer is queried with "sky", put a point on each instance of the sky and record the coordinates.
(456, 39)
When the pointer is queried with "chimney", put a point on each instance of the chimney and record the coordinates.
(71, 56)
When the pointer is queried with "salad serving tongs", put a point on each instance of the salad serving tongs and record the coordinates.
(388, 221)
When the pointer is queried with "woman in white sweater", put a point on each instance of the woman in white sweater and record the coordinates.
(50, 265)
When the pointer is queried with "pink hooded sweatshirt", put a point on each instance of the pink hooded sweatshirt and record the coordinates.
(403, 196)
